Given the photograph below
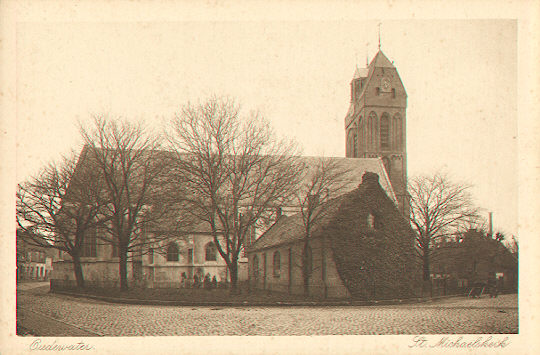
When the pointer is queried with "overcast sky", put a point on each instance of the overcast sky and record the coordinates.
(460, 77)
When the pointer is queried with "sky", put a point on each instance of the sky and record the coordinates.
(460, 77)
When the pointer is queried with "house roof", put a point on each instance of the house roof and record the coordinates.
(289, 229)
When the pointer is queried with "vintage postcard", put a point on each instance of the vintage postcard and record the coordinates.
(269, 177)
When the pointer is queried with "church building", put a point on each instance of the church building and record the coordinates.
(367, 217)
(364, 247)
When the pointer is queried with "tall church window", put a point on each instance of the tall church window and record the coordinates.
(277, 264)
(210, 251)
(385, 131)
(89, 247)
(172, 252)
(372, 131)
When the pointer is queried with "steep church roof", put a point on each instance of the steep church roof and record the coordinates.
(380, 61)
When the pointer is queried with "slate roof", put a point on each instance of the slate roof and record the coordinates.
(356, 168)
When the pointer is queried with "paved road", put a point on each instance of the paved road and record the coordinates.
(454, 315)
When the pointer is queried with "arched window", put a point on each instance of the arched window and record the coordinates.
(210, 251)
(277, 264)
(385, 131)
(172, 252)
(371, 220)
(397, 132)
(255, 267)
(372, 131)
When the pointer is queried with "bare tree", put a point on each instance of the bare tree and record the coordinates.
(135, 179)
(439, 208)
(60, 208)
(236, 170)
(323, 181)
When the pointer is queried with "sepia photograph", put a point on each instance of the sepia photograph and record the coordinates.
(266, 176)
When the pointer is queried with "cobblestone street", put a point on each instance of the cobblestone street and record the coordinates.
(44, 313)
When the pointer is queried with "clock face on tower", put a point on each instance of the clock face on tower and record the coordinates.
(385, 84)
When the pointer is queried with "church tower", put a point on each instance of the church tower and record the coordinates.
(375, 122)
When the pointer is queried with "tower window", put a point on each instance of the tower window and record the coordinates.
(372, 131)
(385, 131)
(397, 131)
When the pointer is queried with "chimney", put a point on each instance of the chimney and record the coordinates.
(370, 178)
(490, 224)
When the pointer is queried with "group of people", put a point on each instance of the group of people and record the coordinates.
(207, 282)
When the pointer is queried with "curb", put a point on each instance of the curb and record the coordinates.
(136, 301)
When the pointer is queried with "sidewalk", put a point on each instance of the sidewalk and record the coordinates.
(35, 324)
(329, 303)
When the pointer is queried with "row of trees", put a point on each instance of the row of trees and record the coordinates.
(212, 166)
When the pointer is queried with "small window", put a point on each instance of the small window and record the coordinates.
(371, 221)
(172, 252)
(277, 264)
(393, 93)
(378, 90)
(190, 256)
(210, 252)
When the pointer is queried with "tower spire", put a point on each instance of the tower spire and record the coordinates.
(367, 59)
(379, 35)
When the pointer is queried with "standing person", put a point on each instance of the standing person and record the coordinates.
(492, 287)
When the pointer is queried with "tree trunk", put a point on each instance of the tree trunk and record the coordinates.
(233, 268)
(426, 266)
(305, 268)
(427, 274)
(77, 268)
(123, 268)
